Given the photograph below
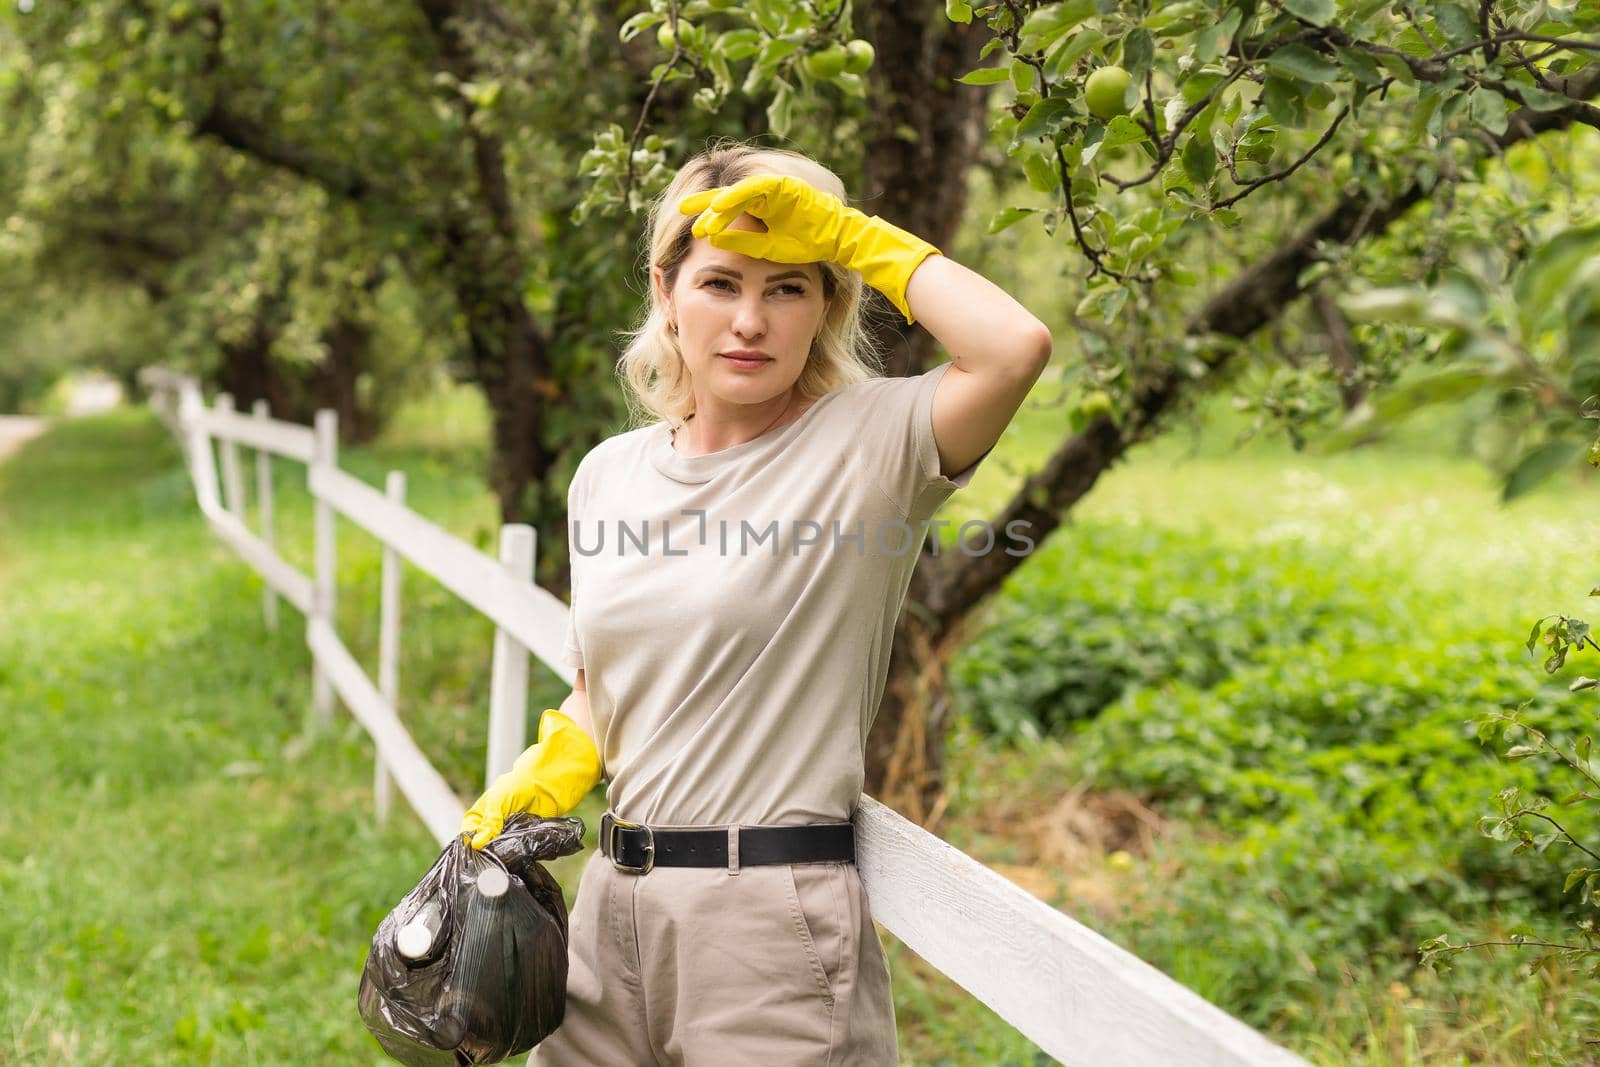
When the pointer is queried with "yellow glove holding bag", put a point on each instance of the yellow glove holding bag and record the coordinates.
(548, 779)
(807, 225)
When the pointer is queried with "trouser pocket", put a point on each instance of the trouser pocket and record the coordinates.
(820, 905)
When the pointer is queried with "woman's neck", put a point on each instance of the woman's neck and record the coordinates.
(701, 435)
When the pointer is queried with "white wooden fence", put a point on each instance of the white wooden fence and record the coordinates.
(1075, 994)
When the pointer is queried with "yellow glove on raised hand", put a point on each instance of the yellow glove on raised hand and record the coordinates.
(807, 225)
(548, 779)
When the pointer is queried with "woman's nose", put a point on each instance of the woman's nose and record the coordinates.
(750, 320)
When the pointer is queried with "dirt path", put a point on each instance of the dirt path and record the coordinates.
(17, 430)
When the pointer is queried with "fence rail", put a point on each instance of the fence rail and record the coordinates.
(1075, 994)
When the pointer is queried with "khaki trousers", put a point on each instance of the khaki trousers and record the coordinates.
(778, 964)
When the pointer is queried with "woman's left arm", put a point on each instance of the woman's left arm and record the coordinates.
(998, 349)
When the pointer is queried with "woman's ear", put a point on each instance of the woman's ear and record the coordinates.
(658, 281)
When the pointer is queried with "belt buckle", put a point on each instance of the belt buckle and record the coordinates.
(609, 824)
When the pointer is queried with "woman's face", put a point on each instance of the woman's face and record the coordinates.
(725, 301)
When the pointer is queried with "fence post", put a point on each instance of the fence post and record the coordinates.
(269, 597)
(394, 488)
(232, 483)
(324, 604)
(508, 682)
(197, 445)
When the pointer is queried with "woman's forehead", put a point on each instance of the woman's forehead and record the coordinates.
(703, 254)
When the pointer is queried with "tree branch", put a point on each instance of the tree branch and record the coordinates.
(250, 137)
(950, 585)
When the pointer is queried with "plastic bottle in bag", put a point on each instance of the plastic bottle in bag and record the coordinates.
(490, 979)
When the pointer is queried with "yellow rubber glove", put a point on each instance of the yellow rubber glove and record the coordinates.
(807, 225)
(548, 779)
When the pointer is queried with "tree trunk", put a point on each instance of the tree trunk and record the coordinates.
(509, 352)
(922, 145)
(248, 373)
(335, 383)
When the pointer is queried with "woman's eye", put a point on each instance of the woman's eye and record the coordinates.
(724, 283)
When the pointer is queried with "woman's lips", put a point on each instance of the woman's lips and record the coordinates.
(750, 364)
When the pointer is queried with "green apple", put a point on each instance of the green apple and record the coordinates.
(667, 39)
(1104, 92)
(1095, 404)
(859, 55)
(828, 63)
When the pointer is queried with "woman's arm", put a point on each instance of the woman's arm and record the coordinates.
(998, 349)
(576, 707)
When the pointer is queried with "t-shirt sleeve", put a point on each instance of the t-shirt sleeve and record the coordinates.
(572, 653)
(897, 443)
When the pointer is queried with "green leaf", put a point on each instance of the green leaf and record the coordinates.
(1103, 303)
(1043, 118)
(1209, 42)
(1007, 217)
(1282, 97)
(1138, 49)
(1199, 159)
(1542, 281)
(1458, 24)
(1316, 12)
(1397, 66)
(1362, 66)
(1539, 463)
(1175, 20)
(1022, 74)
(1048, 24)
(1533, 638)
(1488, 109)
(1040, 172)
(638, 23)
(958, 10)
(1070, 50)
(1518, 752)
(1574, 877)
(736, 45)
(1299, 61)
(1539, 99)
(1122, 130)
(986, 76)
(780, 112)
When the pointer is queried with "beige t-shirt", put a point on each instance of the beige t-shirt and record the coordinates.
(733, 612)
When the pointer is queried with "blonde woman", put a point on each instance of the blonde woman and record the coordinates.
(738, 564)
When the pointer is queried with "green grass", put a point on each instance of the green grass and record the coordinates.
(185, 880)
(1364, 605)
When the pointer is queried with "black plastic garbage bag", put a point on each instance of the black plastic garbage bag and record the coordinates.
(471, 965)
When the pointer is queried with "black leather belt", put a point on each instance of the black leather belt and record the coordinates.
(636, 848)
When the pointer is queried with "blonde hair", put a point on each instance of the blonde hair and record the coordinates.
(652, 367)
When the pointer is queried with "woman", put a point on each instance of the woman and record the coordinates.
(737, 568)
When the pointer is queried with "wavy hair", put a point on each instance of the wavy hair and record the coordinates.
(652, 366)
